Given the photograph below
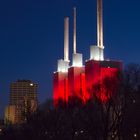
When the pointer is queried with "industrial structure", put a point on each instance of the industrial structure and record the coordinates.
(60, 78)
(23, 100)
(81, 81)
(76, 73)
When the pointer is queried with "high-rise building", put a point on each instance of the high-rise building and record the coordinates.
(23, 100)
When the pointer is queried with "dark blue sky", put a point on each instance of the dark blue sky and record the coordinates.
(31, 37)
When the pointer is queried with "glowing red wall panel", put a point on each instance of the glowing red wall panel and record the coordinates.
(83, 85)
(92, 72)
(108, 82)
(76, 78)
(98, 75)
(60, 87)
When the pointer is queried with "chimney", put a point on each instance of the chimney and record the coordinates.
(66, 39)
(100, 28)
(74, 31)
(77, 57)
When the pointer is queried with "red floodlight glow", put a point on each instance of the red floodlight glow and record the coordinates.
(108, 82)
(76, 78)
(102, 79)
(97, 79)
(60, 87)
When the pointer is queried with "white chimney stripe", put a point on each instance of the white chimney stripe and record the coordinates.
(74, 31)
(66, 39)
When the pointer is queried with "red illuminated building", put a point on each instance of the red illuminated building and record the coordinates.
(60, 87)
(76, 77)
(102, 78)
(99, 77)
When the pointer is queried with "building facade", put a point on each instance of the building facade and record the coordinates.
(23, 100)
(102, 78)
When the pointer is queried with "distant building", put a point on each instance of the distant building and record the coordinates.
(23, 101)
(13, 115)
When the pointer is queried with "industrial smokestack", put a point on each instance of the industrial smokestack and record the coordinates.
(77, 57)
(100, 28)
(63, 65)
(74, 31)
(66, 39)
(99, 24)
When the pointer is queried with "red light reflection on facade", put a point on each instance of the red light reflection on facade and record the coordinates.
(76, 78)
(102, 78)
(98, 78)
(60, 87)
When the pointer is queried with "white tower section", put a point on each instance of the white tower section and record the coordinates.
(100, 28)
(63, 65)
(77, 57)
(94, 52)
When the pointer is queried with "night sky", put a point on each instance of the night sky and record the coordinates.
(31, 37)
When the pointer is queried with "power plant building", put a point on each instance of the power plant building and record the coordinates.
(99, 77)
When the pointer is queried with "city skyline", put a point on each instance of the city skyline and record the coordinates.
(28, 38)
